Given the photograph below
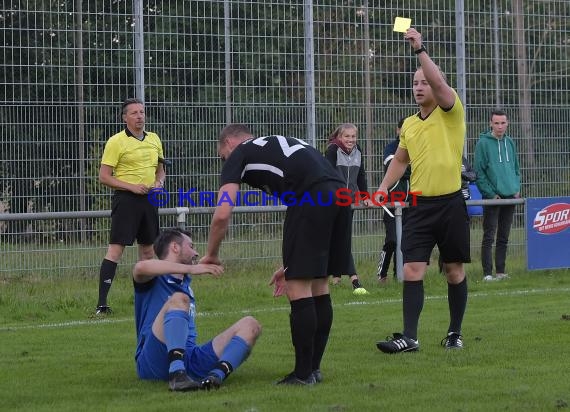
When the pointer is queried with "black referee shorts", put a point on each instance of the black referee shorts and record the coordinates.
(441, 221)
(133, 217)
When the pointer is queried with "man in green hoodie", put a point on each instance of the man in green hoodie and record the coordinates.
(498, 177)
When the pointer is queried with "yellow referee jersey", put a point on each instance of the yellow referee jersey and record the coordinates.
(133, 160)
(435, 148)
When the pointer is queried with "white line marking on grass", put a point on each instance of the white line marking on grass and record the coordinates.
(471, 295)
(64, 324)
(278, 309)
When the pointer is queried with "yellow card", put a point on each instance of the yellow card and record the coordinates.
(402, 24)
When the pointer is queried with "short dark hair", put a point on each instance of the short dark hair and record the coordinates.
(165, 238)
(234, 130)
(132, 100)
(498, 112)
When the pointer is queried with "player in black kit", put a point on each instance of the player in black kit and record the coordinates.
(316, 231)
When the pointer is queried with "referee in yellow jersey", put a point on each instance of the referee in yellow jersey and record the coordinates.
(132, 164)
(431, 141)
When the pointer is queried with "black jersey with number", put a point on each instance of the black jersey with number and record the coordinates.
(277, 164)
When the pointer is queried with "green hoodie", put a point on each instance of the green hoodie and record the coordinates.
(497, 166)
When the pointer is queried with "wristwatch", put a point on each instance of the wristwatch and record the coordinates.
(420, 50)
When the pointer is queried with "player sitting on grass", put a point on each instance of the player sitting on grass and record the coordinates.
(164, 316)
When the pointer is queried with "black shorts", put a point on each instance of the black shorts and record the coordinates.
(440, 220)
(133, 217)
(317, 239)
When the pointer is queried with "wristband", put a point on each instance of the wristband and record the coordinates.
(420, 50)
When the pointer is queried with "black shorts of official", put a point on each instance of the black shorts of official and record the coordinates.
(317, 237)
(441, 221)
(133, 217)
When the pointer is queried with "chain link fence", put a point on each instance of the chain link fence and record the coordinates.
(295, 68)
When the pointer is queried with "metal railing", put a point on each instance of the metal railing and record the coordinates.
(182, 214)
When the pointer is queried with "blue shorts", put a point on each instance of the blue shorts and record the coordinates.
(152, 362)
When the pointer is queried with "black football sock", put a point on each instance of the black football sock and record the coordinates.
(106, 276)
(457, 299)
(413, 303)
(324, 309)
(303, 320)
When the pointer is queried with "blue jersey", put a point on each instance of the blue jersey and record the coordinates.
(151, 296)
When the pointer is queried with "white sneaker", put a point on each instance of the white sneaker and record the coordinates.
(489, 278)
(500, 276)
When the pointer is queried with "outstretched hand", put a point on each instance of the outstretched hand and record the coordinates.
(203, 268)
(278, 279)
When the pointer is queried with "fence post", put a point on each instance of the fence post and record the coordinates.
(181, 213)
(399, 256)
(139, 49)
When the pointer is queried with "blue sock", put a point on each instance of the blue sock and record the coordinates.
(175, 334)
(234, 354)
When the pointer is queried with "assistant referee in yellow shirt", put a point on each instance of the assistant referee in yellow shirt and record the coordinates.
(132, 164)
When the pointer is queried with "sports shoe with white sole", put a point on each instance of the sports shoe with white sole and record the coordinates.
(500, 276)
(398, 343)
(103, 310)
(452, 341)
(489, 278)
